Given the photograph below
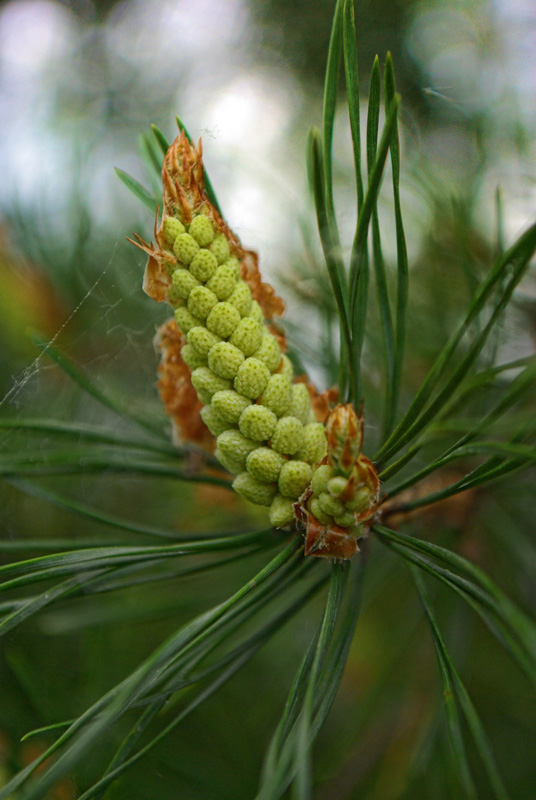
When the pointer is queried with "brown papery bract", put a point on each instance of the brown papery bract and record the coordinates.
(178, 395)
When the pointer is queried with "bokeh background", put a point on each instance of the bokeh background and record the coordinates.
(80, 81)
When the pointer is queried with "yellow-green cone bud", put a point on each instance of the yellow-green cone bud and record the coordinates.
(185, 321)
(220, 248)
(203, 265)
(321, 477)
(201, 302)
(182, 282)
(174, 298)
(171, 228)
(255, 491)
(223, 282)
(286, 368)
(233, 444)
(230, 405)
(191, 358)
(294, 478)
(241, 298)
(330, 505)
(227, 461)
(185, 247)
(345, 520)
(201, 340)
(257, 422)
(264, 464)
(287, 437)
(204, 396)
(204, 380)
(360, 501)
(251, 378)
(315, 446)
(300, 403)
(281, 512)
(202, 230)
(247, 336)
(256, 313)
(270, 353)
(224, 360)
(213, 421)
(277, 395)
(317, 511)
(223, 320)
(233, 265)
(337, 485)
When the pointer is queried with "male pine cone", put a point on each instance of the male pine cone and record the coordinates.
(266, 429)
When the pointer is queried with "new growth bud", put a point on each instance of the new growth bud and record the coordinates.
(343, 492)
(344, 438)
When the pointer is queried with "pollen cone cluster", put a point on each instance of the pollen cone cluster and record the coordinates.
(264, 422)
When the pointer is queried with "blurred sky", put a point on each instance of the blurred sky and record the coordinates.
(79, 82)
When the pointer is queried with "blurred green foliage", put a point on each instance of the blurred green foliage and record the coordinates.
(66, 271)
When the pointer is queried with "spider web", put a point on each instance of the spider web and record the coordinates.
(108, 323)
